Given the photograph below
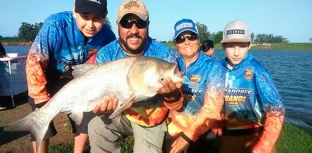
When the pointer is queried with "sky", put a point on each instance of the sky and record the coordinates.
(288, 18)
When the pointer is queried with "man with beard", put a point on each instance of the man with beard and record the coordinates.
(144, 120)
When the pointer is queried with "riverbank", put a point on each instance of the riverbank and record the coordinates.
(289, 46)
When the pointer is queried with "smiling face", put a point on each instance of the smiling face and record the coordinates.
(236, 52)
(187, 43)
(133, 33)
(89, 24)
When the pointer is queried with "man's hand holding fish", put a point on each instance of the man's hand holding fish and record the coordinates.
(170, 91)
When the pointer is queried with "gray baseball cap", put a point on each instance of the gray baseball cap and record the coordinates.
(236, 31)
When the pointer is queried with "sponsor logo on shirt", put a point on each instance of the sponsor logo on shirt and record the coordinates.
(190, 94)
(248, 74)
(194, 79)
(236, 96)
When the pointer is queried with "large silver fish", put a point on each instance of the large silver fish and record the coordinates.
(132, 79)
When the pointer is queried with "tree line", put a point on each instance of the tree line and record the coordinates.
(27, 33)
(205, 34)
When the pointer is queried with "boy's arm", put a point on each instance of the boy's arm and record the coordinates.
(272, 129)
(37, 61)
(274, 112)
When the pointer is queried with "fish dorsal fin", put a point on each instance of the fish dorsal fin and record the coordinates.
(123, 107)
(80, 69)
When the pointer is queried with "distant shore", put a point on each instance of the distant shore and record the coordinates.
(288, 46)
(16, 43)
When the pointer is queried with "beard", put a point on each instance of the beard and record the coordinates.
(123, 43)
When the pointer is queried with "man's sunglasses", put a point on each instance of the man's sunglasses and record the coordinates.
(190, 37)
(140, 24)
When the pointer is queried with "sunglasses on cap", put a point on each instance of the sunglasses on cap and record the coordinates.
(190, 37)
(140, 24)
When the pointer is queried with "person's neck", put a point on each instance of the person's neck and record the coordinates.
(190, 59)
(85, 39)
(229, 65)
(130, 53)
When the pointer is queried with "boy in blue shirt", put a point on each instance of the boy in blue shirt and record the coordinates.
(65, 39)
(253, 112)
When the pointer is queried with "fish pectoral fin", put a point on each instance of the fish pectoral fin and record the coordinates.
(149, 95)
(77, 117)
(123, 107)
(80, 69)
(145, 96)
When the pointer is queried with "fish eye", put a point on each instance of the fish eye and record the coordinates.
(162, 79)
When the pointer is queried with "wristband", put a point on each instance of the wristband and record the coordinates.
(175, 100)
(186, 138)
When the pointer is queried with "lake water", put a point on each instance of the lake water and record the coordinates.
(291, 72)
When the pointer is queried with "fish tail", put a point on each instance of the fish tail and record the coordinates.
(33, 124)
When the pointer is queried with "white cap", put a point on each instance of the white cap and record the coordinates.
(236, 31)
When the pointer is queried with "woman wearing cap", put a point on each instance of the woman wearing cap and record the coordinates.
(65, 39)
(207, 47)
(203, 89)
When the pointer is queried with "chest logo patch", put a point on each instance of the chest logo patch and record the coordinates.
(248, 74)
(194, 79)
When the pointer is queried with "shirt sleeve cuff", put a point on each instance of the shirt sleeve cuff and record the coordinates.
(175, 105)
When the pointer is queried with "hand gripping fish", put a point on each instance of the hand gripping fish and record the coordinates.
(131, 79)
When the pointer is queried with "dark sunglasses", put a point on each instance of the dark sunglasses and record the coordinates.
(190, 37)
(140, 24)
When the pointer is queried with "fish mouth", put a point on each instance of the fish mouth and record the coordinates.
(176, 78)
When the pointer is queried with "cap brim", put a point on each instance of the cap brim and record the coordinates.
(87, 9)
(184, 31)
(141, 16)
(235, 40)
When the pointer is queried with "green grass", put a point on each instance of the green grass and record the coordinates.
(294, 140)
(68, 147)
(289, 46)
(126, 146)
(291, 140)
